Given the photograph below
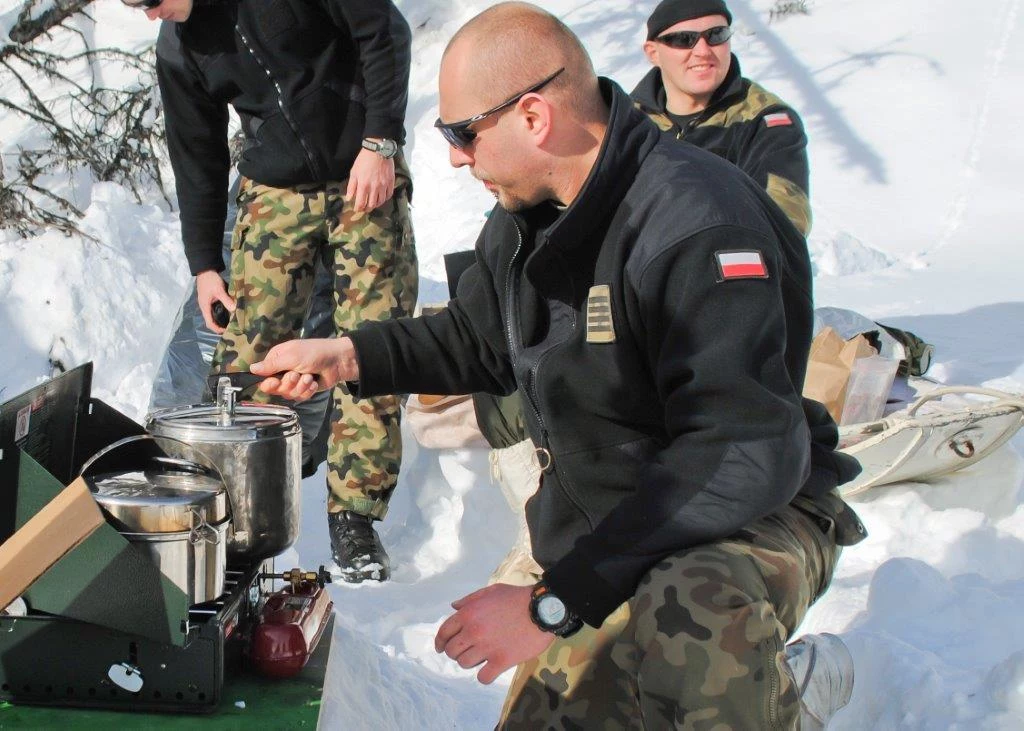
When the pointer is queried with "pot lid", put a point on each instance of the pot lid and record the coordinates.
(167, 500)
(208, 422)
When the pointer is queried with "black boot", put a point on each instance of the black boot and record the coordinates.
(356, 548)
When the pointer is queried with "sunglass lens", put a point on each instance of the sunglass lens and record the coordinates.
(680, 39)
(718, 35)
(690, 38)
(458, 137)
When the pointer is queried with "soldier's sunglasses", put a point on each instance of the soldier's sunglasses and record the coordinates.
(144, 4)
(460, 136)
(689, 38)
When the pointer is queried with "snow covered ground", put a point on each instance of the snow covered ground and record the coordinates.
(912, 108)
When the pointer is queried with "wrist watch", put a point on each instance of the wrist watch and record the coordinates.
(550, 613)
(385, 148)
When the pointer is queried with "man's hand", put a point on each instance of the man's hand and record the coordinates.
(298, 369)
(209, 289)
(492, 626)
(371, 182)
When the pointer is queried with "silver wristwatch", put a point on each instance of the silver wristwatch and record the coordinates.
(385, 148)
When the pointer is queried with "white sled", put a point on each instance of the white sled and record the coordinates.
(915, 445)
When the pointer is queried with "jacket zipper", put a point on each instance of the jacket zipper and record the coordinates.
(532, 393)
(310, 159)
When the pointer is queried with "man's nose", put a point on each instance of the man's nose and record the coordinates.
(459, 156)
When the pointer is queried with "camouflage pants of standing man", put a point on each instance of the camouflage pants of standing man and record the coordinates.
(276, 243)
(701, 645)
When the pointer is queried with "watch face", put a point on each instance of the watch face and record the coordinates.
(550, 610)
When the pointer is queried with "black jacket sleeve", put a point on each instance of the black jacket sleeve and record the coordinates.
(775, 155)
(739, 446)
(384, 41)
(196, 126)
(459, 350)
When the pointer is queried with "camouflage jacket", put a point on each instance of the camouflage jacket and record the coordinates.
(309, 81)
(751, 128)
(657, 378)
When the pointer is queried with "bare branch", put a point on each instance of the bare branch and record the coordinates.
(27, 28)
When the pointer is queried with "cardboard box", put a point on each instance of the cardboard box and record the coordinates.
(62, 524)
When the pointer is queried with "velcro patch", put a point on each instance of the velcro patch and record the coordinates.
(741, 265)
(778, 119)
(600, 328)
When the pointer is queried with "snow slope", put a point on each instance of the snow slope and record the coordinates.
(911, 107)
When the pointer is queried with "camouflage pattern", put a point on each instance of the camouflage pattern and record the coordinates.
(277, 237)
(787, 194)
(701, 645)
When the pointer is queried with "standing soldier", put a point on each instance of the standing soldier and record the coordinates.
(321, 90)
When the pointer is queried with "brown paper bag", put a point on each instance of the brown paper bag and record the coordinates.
(829, 365)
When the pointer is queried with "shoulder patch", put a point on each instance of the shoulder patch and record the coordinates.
(741, 265)
(600, 327)
(778, 119)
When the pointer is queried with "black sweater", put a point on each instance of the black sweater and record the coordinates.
(309, 79)
(751, 128)
(685, 428)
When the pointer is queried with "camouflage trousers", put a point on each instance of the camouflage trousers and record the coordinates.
(279, 235)
(701, 645)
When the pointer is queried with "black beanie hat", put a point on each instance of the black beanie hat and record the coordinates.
(670, 12)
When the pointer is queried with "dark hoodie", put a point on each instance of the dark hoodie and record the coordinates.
(309, 81)
(751, 128)
(666, 396)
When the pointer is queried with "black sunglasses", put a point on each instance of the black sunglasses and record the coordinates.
(689, 38)
(144, 4)
(459, 135)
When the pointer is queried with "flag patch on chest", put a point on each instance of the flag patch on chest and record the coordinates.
(600, 327)
(778, 119)
(741, 265)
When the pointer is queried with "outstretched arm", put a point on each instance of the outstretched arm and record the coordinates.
(298, 369)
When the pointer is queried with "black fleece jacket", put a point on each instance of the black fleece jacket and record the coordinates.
(751, 128)
(309, 80)
(684, 427)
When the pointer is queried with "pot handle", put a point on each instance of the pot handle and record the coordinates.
(204, 532)
(137, 453)
(178, 464)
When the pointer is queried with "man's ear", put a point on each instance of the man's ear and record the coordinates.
(536, 115)
(651, 51)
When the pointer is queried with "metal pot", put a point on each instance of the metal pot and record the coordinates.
(257, 449)
(175, 512)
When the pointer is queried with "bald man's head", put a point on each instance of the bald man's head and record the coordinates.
(512, 46)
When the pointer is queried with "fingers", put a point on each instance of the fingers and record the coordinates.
(353, 187)
(368, 197)
(490, 672)
(448, 629)
(469, 658)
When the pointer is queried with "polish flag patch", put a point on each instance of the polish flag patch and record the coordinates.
(778, 119)
(741, 265)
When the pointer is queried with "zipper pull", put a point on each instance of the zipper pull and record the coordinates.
(543, 455)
